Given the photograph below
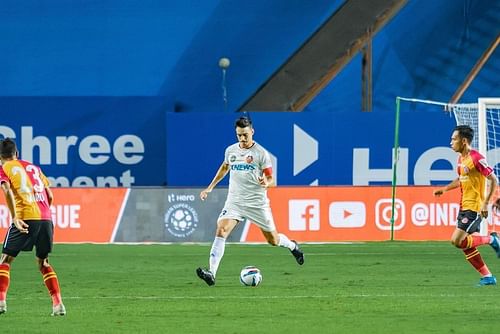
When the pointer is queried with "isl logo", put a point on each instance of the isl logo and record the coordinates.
(181, 220)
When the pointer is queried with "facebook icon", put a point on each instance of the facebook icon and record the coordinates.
(303, 215)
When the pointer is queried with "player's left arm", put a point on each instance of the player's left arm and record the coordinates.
(482, 166)
(493, 181)
(267, 179)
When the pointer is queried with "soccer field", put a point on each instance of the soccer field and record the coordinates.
(387, 287)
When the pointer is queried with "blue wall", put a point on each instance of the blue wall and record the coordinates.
(86, 139)
(194, 157)
(151, 48)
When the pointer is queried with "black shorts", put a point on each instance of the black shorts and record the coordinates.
(40, 234)
(469, 221)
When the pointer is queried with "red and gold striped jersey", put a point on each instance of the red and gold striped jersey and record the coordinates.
(472, 171)
(28, 184)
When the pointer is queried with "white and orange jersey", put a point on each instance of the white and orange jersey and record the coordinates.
(246, 165)
(472, 172)
(28, 185)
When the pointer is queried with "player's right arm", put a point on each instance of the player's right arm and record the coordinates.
(450, 186)
(11, 204)
(221, 172)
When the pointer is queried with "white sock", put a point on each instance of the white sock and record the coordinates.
(216, 253)
(285, 242)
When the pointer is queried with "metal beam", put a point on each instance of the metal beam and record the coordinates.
(323, 55)
(475, 70)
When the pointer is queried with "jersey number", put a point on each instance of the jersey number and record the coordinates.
(38, 187)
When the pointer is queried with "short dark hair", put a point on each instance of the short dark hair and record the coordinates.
(8, 148)
(465, 131)
(243, 122)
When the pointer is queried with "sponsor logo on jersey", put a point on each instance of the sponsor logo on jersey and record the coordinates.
(242, 167)
(249, 159)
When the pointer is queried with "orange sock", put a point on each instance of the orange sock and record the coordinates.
(52, 284)
(472, 255)
(472, 241)
(4, 280)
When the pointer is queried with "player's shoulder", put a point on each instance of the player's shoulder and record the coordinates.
(26, 163)
(259, 149)
(232, 147)
(475, 155)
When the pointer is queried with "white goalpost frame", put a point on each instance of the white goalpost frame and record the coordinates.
(481, 126)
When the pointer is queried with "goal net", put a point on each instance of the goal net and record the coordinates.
(484, 118)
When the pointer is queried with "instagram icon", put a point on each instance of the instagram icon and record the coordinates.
(383, 214)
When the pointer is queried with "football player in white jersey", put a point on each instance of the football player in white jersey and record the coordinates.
(250, 174)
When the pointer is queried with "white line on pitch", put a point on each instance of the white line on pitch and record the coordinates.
(255, 297)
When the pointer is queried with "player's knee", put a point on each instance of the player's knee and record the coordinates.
(42, 263)
(6, 259)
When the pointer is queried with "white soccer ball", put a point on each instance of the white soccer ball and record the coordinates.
(250, 276)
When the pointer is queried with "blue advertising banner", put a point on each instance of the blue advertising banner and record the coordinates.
(90, 141)
(139, 141)
(335, 148)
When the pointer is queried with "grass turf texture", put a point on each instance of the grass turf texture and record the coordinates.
(387, 287)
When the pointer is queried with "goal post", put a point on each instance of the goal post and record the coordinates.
(482, 116)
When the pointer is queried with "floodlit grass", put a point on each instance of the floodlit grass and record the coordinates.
(387, 287)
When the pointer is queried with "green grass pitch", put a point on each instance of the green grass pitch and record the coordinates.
(385, 287)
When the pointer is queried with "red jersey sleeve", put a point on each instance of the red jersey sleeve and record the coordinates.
(480, 163)
(3, 176)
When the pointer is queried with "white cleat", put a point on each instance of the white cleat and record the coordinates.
(58, 310)
(3, 306)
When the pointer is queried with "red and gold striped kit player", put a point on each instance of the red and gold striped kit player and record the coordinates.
(472, 173)
(28, 197)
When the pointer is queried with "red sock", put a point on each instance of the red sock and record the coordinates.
(472, 255)
(4, 280)
(52, 284)
(472, 241)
